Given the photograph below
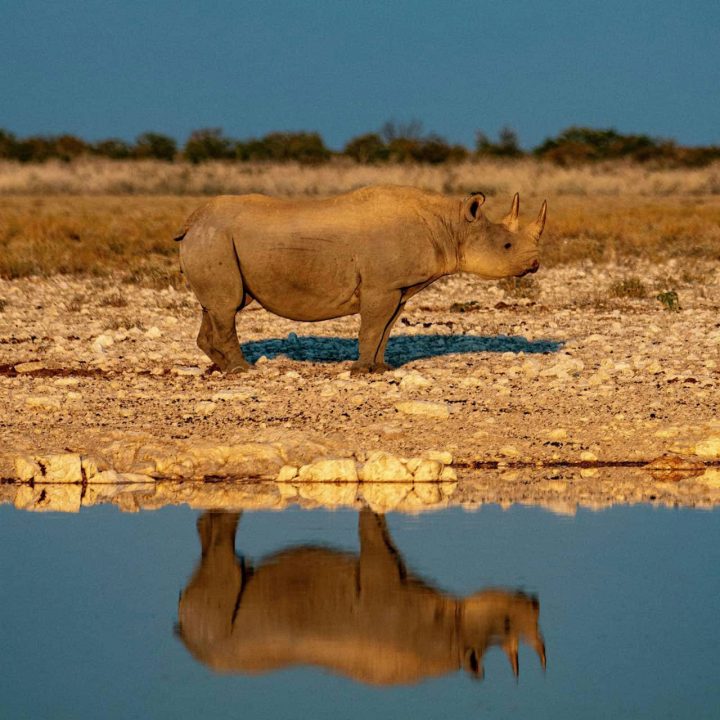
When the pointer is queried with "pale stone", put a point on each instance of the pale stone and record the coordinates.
(428, 471)
(187, 370)
(62, 468)
(231, 395)
(413, 464)
(287, 491)
(356, 400)
(423, 408)
(43, 402)
(205, 408)
(384, 496)
(448, 476)
(101, 342)
(708, 448)
(54, 498)
(329, 494)
(557, 434)
(28, 367)
(384, 467)
(328, 470)
(442, 456)
(153, 333)
(287, 473)
(428, 493)
(415, 381)
(66, 381)
(509, 451)
(710, 477)
(26, 469)
(587, 456)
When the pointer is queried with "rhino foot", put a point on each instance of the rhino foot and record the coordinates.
(359, 368)
(240, 367)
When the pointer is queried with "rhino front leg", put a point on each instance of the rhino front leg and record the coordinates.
(378, 311)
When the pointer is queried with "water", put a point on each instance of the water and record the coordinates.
(628, 606)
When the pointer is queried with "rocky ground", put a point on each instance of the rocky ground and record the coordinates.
(506, 388)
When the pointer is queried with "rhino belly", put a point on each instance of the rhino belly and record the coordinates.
(301, 282)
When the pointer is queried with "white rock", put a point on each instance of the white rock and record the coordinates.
(329, 494)
(189, 370)
(230, 395)
(423, 408)
(428, 471)
(153, 333)
(205, 408)
(442, 456)
(587, 456)
(329, 470)
(287, 473)
(28, 367)
(102, 342)
(415, 381)
(384, 467)
(708, 448)
(43, 402)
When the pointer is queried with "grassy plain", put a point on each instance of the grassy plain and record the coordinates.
(101, 217)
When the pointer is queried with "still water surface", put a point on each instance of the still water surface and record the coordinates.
(398, 614)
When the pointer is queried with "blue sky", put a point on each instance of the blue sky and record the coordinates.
(99, 69)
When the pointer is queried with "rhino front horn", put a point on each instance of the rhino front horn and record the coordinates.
(535, 229)
(512, 220)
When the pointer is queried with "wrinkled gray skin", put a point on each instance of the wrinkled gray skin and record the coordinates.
(367, 252)
(360, 616)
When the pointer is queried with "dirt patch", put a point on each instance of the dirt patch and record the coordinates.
(574, 375)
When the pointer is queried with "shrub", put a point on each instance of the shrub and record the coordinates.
(506, 146)
(368, 148)
(632, 287)
(302, 147)
(113, 148)
(155, 145)
(208, 144)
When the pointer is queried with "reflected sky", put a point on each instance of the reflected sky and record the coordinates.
(628, 607)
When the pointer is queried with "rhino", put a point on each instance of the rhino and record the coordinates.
(367, 251)
(362, 616)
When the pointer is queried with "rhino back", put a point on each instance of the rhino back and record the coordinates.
(308, 607)
(308, 259)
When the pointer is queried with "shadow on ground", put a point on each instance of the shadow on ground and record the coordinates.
(400, 350)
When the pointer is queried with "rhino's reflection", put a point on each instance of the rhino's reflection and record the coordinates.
(362, 616)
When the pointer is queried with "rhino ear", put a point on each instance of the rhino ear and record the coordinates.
(512, 220)
(471, 206)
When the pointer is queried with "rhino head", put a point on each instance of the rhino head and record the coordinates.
(497, 250)
(500, 618)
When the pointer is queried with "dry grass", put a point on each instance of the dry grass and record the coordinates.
(42, 233)
(493, 177)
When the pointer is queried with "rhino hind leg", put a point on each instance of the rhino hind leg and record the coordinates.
(378, 312)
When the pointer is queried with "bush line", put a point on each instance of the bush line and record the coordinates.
(391, 144)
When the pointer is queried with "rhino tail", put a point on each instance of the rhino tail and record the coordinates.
(196, 215)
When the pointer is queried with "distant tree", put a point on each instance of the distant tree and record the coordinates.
(302, 147)
(581, 144)
(68, 147)
(155, 145)
(368, 148)
(208, 144)
(113, 148)
(507, 145)
(8, 142)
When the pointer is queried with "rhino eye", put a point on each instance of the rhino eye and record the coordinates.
(508, 246)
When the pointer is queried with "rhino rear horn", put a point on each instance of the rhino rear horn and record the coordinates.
(512, 220)
(536, 228)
